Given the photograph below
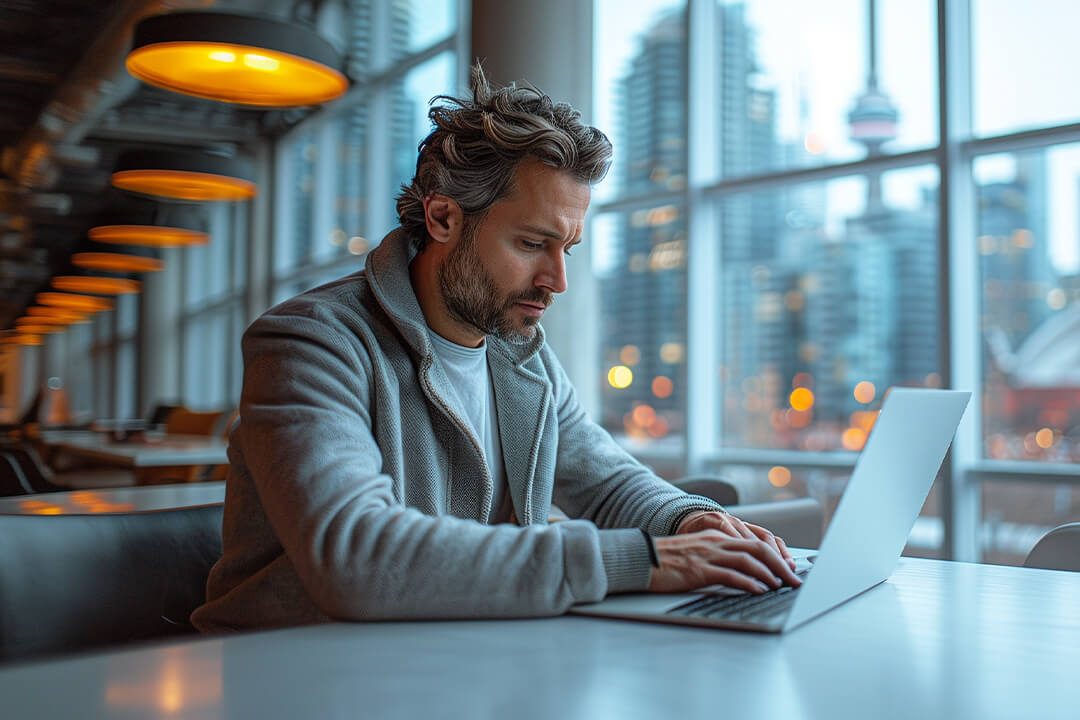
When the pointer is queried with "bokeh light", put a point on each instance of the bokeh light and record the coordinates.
(801, 399)
(779, 476)
(1044, 438)
(620, 377)
(865, 392)
(853, 439)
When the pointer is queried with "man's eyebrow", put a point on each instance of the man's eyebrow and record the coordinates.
(537, 230)
(545, 232)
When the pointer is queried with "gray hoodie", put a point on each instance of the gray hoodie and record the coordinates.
(356, 492)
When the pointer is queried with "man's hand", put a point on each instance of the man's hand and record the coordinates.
(695, 560)
(712, 548)
(727, 523)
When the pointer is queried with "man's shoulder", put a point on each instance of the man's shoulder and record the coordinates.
(345, 297)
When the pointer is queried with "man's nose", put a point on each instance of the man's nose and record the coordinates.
(553, 275)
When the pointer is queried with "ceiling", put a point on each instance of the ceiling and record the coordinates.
(68, 108)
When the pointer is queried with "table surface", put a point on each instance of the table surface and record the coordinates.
(938, 640)
(114, 500)
(153, 451)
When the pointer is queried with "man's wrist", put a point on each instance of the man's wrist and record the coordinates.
(653, 557)
(686, 515)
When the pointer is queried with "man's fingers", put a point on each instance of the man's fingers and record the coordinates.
(740, 527)
(785, 552)
(774, 542)
(768, 559)
(734, 579)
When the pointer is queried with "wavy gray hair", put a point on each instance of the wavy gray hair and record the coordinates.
(477, 144)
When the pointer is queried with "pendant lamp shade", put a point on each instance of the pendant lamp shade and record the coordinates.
(51, 313)
(184, 176)
(147, 235)
(116, 262)
(98, 285)
(240, 59)
(70, 301)
(24, 339)
(39, 329)
(42, 320)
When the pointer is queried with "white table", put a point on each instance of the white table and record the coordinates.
(155, 451)
(938, 640)
(114, 500)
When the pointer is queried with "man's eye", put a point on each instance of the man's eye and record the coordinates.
(531, 245)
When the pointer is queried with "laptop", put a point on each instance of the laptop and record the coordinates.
(888, 487)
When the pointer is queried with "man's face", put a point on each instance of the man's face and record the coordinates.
(506, 268)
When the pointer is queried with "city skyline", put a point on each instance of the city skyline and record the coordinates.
(841, 302)
(815, 55)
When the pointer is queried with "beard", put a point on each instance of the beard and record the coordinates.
(472, 297)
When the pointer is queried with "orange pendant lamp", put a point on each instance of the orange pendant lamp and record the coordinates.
(96, 285)
(29, 328)
(116, 262)
(56, 313)
(43, 320)
(24, 339)
(147, 236)
(240, 59)
(71, 301)
(195, 177)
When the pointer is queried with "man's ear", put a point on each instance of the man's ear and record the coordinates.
(443, 217)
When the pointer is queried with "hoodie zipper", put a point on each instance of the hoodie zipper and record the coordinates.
(485, 510)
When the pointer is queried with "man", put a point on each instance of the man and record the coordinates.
(404, 431)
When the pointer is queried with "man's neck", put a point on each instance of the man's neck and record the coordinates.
(424, 276)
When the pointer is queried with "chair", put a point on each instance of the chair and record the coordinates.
(182, 421)
(41, 478)
(73, 582)
(1058, 549)
(12, 479)
(38, 475)
(800, 522)
(159, 414)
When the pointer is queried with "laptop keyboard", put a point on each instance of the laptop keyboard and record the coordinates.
(764, 608)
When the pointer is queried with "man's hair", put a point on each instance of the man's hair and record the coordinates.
(477, 144)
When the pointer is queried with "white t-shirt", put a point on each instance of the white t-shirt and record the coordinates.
(470, 385)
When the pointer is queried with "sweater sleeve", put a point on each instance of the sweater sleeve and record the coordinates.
(597, 479)
(306, 441)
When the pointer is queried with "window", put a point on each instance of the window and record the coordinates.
(339, 171)
(828, 297)
(1030, 303)
(774, 222)
(1018, 51)
(640, 258)
(213, 298)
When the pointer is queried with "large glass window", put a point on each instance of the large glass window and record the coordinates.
(1029, 257)
(640, 260)
(417, 24)
(828, 297)
(213, 299)
(640, 79)
(410, 99)
(340, 171)
(785, 158)
(1020, 50)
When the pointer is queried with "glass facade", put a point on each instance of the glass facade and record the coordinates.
(339, 172)
(774, 219)
(1029, 262)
